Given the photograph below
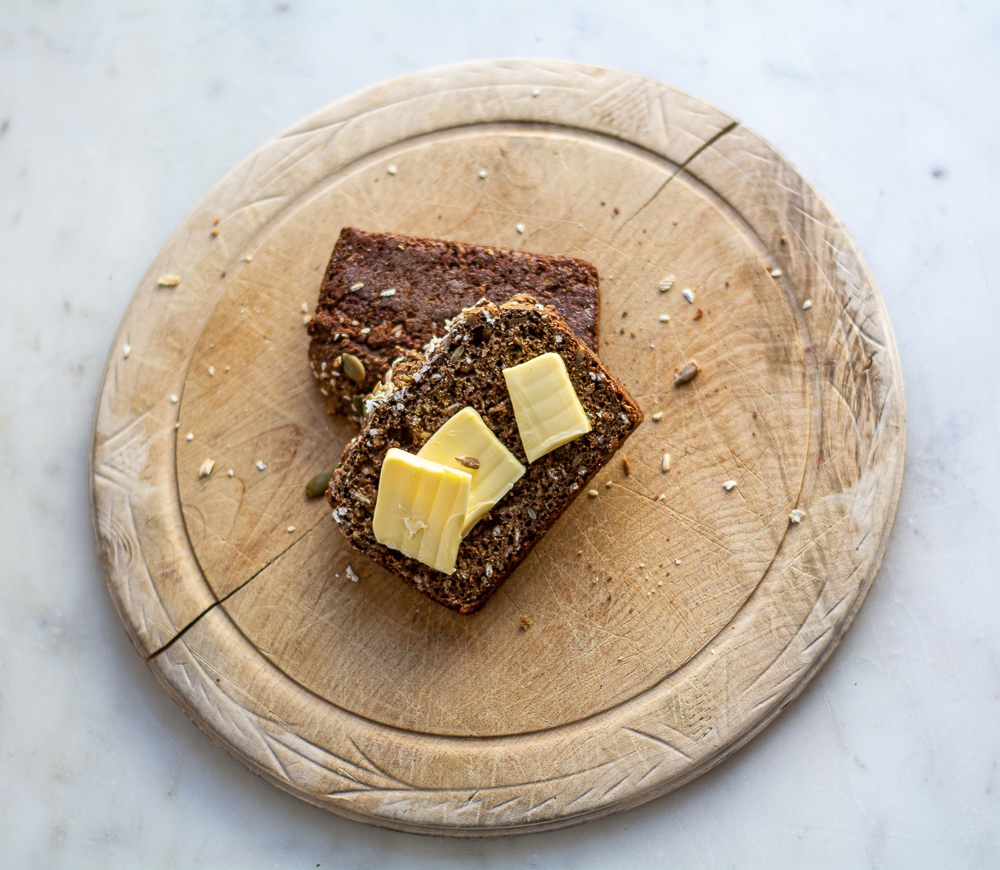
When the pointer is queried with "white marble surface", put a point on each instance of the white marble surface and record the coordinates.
(115, 117)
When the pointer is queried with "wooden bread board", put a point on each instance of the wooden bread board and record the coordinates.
(671, 618)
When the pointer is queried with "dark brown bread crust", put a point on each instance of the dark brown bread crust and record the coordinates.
(432, 281)
(465, 368)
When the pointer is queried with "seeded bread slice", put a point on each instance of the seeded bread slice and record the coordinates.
(464, 367)
(384, 294)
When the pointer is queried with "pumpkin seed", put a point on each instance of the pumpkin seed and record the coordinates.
(353, 367)
(318, 485)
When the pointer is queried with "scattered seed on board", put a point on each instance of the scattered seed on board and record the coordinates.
(352, 575)
(353, 367)
(260, 465)
(206, 468)
(665, 464)
(688, 294)
(592, 493)
(168, 281)
(667, 283)
(520, 228)
(318, 485)
(657, 416)
(729, 485)
(391, 170)
(664, 318)
(807, 305)
(686, 374)
(796, 516)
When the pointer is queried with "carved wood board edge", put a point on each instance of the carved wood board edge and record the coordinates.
(132, 462)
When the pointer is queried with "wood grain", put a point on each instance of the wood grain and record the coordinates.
(671, 618)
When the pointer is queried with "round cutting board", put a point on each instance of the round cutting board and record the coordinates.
(663, 620)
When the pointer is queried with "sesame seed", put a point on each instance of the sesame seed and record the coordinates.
(520, 228)
(667, 283)
(189, 436)
(290, 529)
(657, 416)
(482, 173)
(729, 485)
(796, 516)
(247, 258)
(126, 351)
(664, 318)
(230, 472)
(358, 286)
(390, 292)
(304, 308)
(260, 465)
(688, 294)
(535, 92)
(173, 400)
(592, 493)
(776, 273)
(211, 371)
(607, 484)
(807, 305)
(391, 170)
(206, 468)
(665, 464)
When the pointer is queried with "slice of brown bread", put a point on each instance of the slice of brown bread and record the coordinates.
(464, 367)
(385, 294)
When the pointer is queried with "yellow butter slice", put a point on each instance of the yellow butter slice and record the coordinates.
(546, 407)
(467, 435)
(421, 509)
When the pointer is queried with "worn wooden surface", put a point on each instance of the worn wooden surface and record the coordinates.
(665, 632)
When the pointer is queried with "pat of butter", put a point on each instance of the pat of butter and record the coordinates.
(421, 509)
(465, 435)
(546, 407)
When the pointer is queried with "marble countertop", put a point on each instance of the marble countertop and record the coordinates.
(115, 118)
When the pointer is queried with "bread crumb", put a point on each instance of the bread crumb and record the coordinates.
(626, 465)
(352, 575)
(729, 485)
(168, 281)
(796, 516)
(525, 623)
(206, 468)
(260, 465)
